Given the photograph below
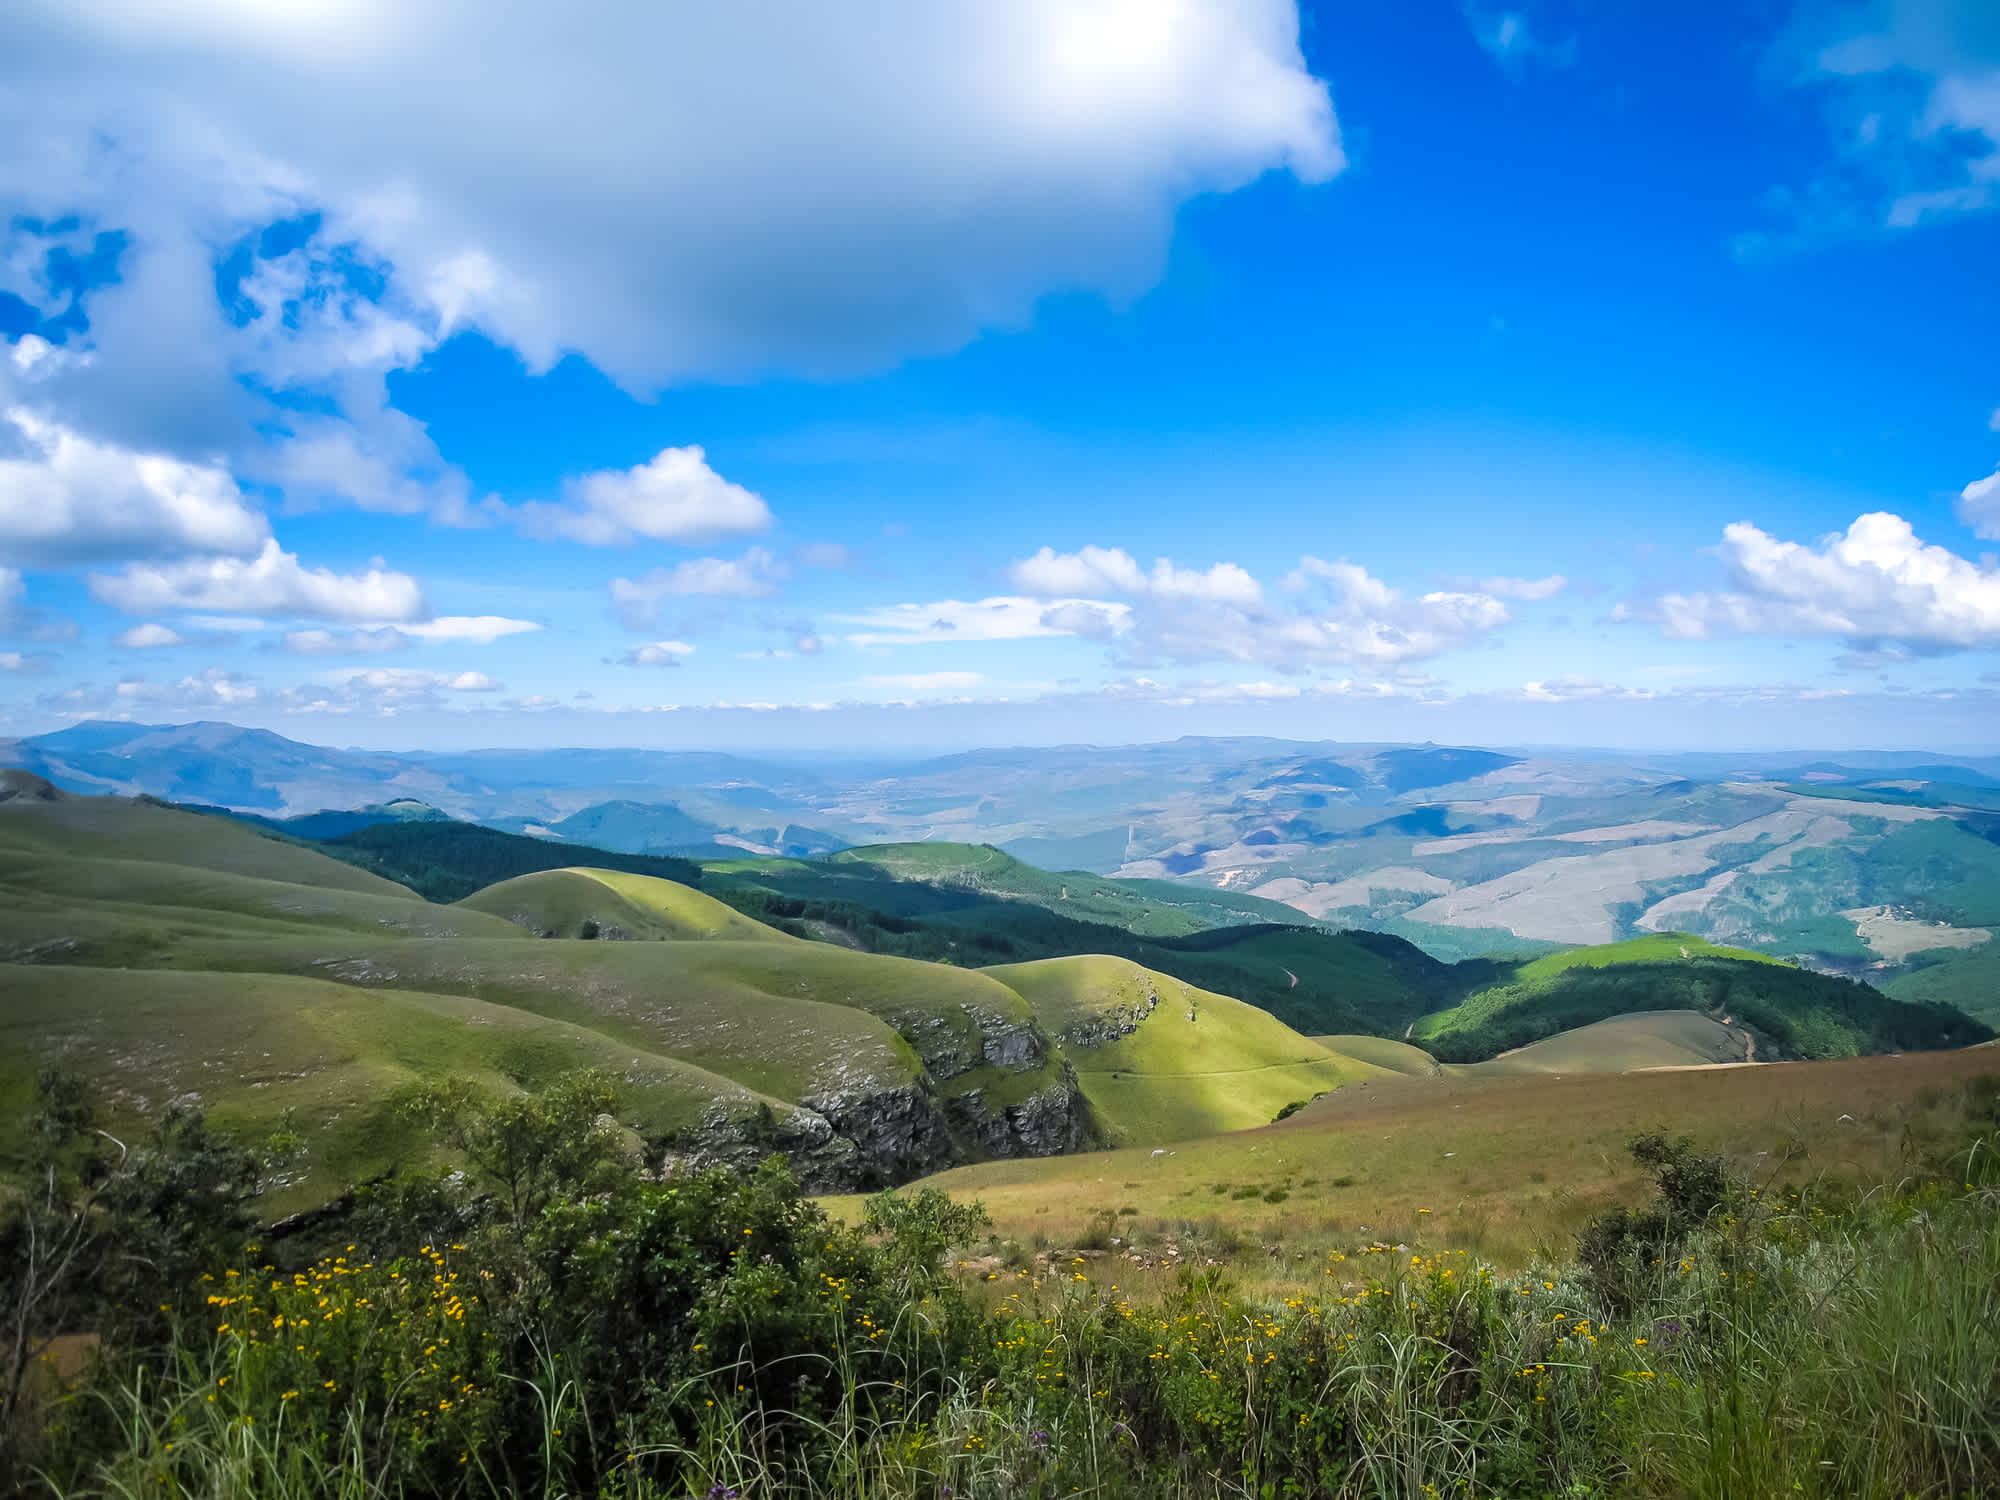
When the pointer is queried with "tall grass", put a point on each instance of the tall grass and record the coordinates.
(1816, 1344)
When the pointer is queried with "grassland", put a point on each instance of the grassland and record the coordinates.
(613, 904)
(1503, 1167)
(257, 1051)
(1191, 1063)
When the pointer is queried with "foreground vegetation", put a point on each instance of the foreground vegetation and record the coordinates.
(546, 1321)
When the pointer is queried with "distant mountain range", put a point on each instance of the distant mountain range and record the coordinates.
(1883, 866)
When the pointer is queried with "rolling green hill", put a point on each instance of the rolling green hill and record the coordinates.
(1794, 1013)
(1162, 1061)
(258, 1051)
(612, 904)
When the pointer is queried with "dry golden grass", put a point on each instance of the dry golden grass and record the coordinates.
(1504, 1167)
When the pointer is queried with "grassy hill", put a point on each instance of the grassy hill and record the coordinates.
(612, 904)
(881, 1064)
(258, 1051)
(1621, 1044)
(1162, 1061)
(1794, 1013)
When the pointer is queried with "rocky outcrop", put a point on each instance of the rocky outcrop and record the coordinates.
(850, 1134)
(1110, 1025)
(1049, 1122)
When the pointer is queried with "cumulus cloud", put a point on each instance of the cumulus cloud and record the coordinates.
(147, 637)
(1873, 585)
(65, 499)
(214, 687)
(657, 654)
(806, 187)
(1002, 618)
(271, 583)
(409, 682)
(1112, 570)
(672, 497)
(1185, 615)
(754, 575)
(477, 630)
(1979, 507)
(283, 206)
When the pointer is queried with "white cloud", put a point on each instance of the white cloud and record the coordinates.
(657, 654)
(477, 630)
(1002, 618)
(474, 630)
(214, 687)
(927, 682)
(1979, 507)
(673, 497)
(1875, 583)
(410, 682)
(798, 186)
(1576, 689)
(1509, 36)
(754, 575)
(271, 583)
(1912, 89)
(1522, 588)
(1188, 615)
(146, 637)
(1112, 570)
(66, 499)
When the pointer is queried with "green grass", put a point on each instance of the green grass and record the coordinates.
(1383, 1052)
(616, 905)
(253, 1049)
(1194, 1063)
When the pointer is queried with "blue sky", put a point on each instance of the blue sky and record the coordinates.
(983, 373)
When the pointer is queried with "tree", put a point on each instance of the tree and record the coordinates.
(530, 1147)
(50, 1235)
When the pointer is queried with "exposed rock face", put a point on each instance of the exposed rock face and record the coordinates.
(1049, 1122)
(1111, 1025)
(992, 1041)
(847, 1135)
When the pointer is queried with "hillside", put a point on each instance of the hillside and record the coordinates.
(612, 905)
(1162, 1061)
(1792, 1012)
(879, 1067)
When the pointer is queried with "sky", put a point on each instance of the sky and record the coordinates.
(984, 372)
